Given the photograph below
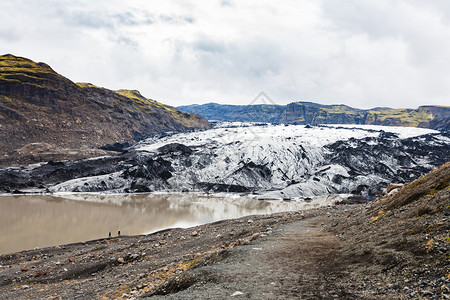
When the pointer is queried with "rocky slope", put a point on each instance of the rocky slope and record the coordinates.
(283, 161)
(435, 117)
(44, 115)
(403, 240)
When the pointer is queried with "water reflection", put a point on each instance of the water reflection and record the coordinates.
(29, 221)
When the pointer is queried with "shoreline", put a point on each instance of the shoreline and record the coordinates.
(73, 214)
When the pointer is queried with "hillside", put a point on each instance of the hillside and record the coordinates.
(403, 240)
(434, 117)
(44, 115)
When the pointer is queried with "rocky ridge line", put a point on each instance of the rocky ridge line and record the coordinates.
(45, 116)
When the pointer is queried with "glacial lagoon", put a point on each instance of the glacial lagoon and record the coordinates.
(37, 221)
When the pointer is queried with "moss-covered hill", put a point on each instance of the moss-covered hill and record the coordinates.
(435, 117)
(40, 107)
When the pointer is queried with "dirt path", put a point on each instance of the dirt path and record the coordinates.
(299, 261)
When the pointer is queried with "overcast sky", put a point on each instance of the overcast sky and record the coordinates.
(363, 53)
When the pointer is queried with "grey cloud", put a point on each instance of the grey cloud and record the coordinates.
(176, 19)
(383, 18)
(127, 41)
(440, 7)
(255, 58)
(126, 18)
(225, 3)
(88, 19)
(208, 45)
(166, 18)
(130, 19)
(85, 19)
(98, 20)
(362, 53)
(189, 19)
(360, 17)
(9, 34)
(422, 26)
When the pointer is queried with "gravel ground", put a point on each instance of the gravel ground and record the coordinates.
(299, 261)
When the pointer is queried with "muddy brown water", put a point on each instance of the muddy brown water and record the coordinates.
(31, 221)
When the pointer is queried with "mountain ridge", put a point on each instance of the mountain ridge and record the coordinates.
(302, 112)
(42, 108)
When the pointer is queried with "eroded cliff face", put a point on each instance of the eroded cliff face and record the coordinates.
(44, 115)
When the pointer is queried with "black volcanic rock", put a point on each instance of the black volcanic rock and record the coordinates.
(175, 147)
(117, 147)
(366, 156)
(41, 108)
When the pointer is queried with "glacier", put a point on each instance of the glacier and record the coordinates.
(267, 161)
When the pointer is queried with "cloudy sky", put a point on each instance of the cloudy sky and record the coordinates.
(363, 53)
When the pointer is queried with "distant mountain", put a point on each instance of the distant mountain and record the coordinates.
(435, 117)
(44, 115)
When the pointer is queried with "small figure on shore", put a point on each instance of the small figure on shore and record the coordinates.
(118, 233)
(109, 234)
